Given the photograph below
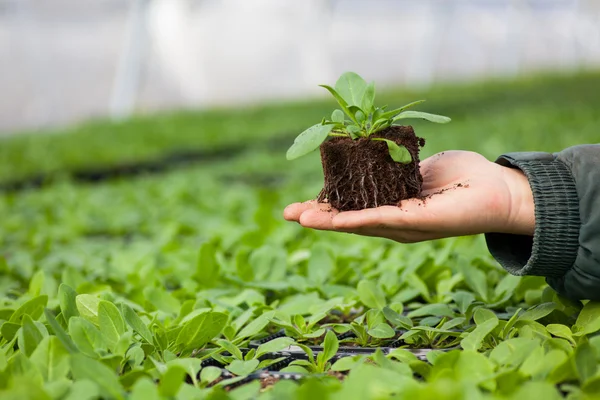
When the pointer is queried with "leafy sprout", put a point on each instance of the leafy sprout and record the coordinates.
(358, 118)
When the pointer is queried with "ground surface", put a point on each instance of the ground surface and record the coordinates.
(120, 288)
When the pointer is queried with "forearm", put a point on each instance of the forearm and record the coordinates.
(565, 246)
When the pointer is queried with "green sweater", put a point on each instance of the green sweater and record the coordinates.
(565, 247)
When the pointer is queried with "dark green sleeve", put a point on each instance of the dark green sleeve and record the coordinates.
(565, 247)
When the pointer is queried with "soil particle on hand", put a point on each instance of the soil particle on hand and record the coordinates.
(361, 174)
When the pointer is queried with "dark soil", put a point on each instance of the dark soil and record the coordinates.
(268, 381)
(361, 174)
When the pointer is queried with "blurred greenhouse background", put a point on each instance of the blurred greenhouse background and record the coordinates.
(64, 61)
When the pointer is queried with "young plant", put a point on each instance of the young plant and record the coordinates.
(322, 362)
(358, 118)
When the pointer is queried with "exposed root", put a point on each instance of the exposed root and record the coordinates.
(361, 174)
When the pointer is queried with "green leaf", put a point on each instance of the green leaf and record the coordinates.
(83, 367)
(34, 308)
(200, 330)
(588, 320)
(537, 312)
(255, 326)
(162, 300)
(320, 264)
(338, 116)
(367, 103)
(439, 119)
(274, 345)
(209, 374)
(51, 358)
(68, 305)
(31, 335)
(585, 362)
(474, 339)
(382, 331)
(347, 363)
(207, 267)
(308, 141)
(86, 390)
(392, 113)
(370, 294)
(60, 333)
(398, 152)
(396, 319)
(111, 323)
(144, 389)
(343, 104)
(86, 336)
(87, 305)
(171, 380)
(9, 330)
(330, 347)
(436, 309)
(351, 87)
(136, 323)
(560, 331)
(231, 348)
(242, 368)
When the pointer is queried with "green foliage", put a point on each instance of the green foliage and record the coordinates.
(122, 288)
(356, 100)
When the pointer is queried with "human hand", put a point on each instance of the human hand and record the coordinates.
(465, 194)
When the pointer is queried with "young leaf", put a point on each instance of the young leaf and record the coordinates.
(392, 113)
(171, 380)
(382, 331)
(207, 268)
(242, 368)
(338, 116)
(255, 326)
(360, 116)
(396, 319)
(231, 348)
(200, 330)
(588, 320)
(30, 336)
(51, 358)
(343, 104)
(86, 336)
(136, 323)
(209, 374)
(370, 294)
(274, 345)
(87, 304)
(474, 339)
(60, 332)
(351, 88)
(398, 152)
(439, 119)
(585, 362)
(111, 322)
(308, 141)
(68, 305)
(367, 103)
(330, 347)
(320, 264)
(34, 308)
(83, 367)
(347, 363)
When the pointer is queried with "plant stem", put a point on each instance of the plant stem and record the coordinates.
(337, 134)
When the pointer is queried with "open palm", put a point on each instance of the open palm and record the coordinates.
(463, 192)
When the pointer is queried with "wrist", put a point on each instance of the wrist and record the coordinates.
(520, 218)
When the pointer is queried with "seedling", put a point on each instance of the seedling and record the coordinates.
(360, 171)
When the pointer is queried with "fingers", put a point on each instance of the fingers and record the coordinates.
(311, 214)
(293, 211)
